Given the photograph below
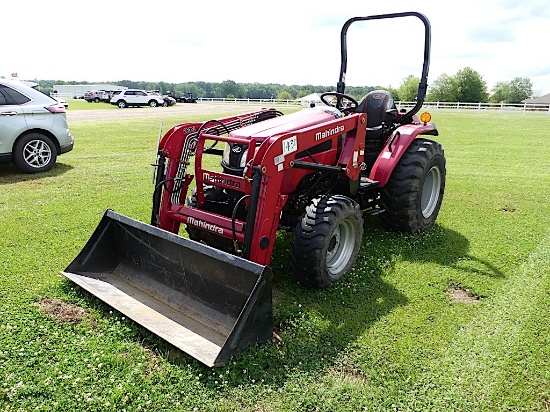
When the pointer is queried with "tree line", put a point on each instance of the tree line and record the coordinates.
(467, 86)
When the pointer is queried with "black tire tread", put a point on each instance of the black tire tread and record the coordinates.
(18, 157)
(307, 259)
(399, 197)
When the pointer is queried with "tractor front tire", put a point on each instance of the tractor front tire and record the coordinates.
(326, 241)
(413, 195)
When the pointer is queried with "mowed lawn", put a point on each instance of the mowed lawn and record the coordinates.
(457, 319)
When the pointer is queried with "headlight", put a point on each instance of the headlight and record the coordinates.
(234, 154)
(243, 158)
(226, 151)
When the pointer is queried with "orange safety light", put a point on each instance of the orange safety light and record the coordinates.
(425, 117)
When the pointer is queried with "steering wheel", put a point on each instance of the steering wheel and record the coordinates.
(352, 105)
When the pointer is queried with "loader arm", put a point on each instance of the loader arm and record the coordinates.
(265, 183)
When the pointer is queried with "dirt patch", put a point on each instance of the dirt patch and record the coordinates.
(461, 295)
(62, 311)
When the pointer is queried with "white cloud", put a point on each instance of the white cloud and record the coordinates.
(292, 42)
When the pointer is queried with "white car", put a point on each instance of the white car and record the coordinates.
(135, 97)
(33, 127)
(62, 101)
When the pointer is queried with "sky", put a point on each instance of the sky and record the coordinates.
(287, 42)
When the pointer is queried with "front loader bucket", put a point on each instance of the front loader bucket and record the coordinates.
(206, 302)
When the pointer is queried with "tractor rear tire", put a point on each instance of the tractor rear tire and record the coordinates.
(413, 195)
(199, 235)
(326, 241)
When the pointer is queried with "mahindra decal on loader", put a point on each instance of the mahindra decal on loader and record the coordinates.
(316, 172)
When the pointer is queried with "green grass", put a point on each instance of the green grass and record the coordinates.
(80, 104)
(386, 337)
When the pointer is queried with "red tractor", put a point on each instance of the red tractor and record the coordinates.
(315, 173)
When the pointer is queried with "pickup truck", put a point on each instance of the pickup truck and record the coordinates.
(188, 98)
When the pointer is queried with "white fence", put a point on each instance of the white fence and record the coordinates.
(500, 107)
(494, 107)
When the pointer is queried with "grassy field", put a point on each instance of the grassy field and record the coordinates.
(453, 320)
(80, 104)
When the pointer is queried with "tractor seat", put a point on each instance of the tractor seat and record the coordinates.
(379, 107)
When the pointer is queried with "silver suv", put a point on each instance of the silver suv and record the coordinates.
(33, 127)
(135, 97)
(96, 96)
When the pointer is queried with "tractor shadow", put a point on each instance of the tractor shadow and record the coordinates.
(439, 245)
(315, 329)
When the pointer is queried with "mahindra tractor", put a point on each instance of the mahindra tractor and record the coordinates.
(316, 173)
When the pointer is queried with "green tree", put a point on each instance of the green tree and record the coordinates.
(514, 91)
(443, 89)
(394, 92)
(500, 93)
(284, 95)
(408, 89)
(466, 85)
(471, 86)
(303, 93)
(521, 88)
(230, 87)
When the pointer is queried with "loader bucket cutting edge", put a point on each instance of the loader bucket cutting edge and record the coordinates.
(206, 302)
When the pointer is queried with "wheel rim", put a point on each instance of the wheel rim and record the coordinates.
(340, 247)
(37, 153)
(430, 192)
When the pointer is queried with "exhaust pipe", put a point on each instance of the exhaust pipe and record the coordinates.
(208, 303)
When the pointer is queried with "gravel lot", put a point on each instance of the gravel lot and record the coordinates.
(176, 110)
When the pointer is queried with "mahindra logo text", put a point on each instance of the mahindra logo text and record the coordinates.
(329, 132)
(221, 180)
(203, 225)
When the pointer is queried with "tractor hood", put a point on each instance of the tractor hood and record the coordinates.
(287, 123)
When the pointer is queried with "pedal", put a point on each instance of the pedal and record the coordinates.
(374, 212)
(367, 183)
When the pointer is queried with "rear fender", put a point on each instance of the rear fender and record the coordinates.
(395, 147)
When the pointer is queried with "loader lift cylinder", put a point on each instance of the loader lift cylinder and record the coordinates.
(157, 194)
(252, 209)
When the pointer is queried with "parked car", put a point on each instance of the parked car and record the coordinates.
(62, 101)
(135, 97)
(113, 94)
(95, 96)
(33, 127)
(187, 98)
(168, 100)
